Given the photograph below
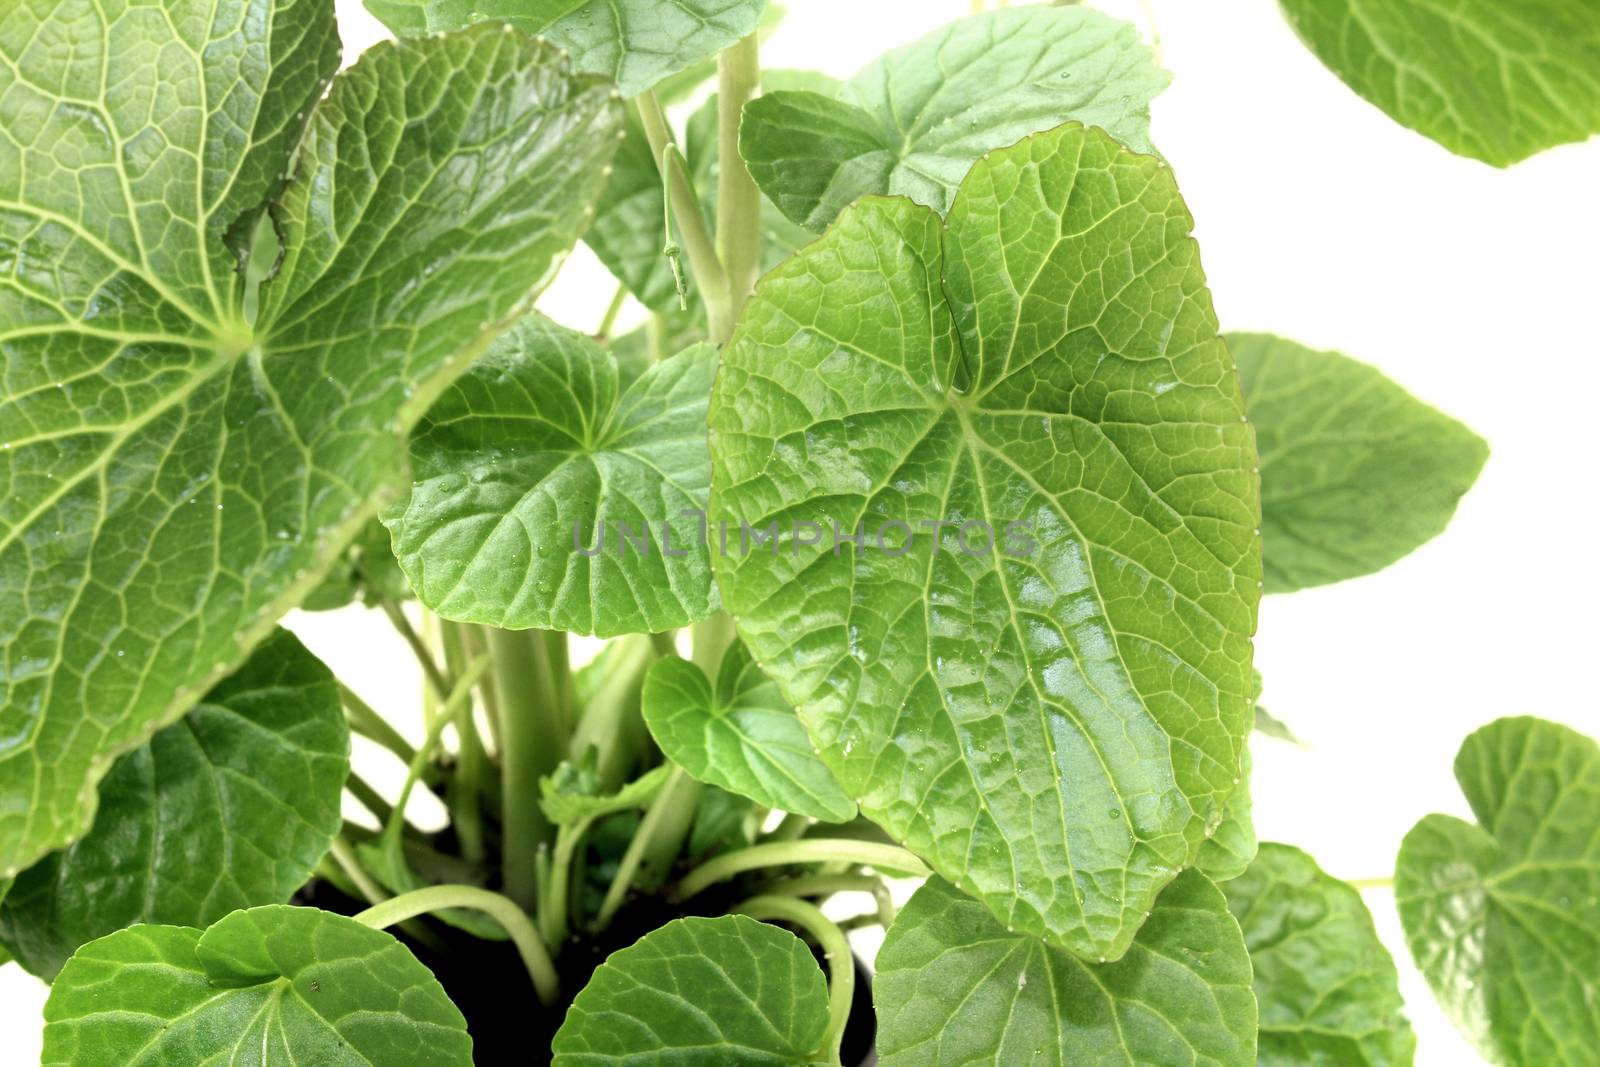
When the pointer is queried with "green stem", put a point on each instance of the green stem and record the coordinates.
(822, 885)
(475, 643)
(504, 911)
(604, 726)
(464, 797)
(791, 827)
(369, 798)
(811, 850)
(461, 694)
(554, 922)
(613, 309)
(711, 638)
(369, 724)
(835, 948)
(628, 866)
(684, 206)
(738, 199)
(430, 668)
(532, 744)
(345, 857)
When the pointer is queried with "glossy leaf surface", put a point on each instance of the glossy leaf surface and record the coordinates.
(230, 807)
(1503, 916)
(529, 467)
(953, 986)
(175, 475)
(1054, 716)
(913, 121)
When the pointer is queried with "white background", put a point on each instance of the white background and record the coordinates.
(1321, 220)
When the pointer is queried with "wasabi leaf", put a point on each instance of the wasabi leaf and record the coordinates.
(915, 119)
(1355, 472)
(1486, 79)
(273, 985)
(954, 986)
(548, 495)
(1503, 917)
(230, 807)
(740, 735)
(729, 990)
(1051, 713)
(176, 474)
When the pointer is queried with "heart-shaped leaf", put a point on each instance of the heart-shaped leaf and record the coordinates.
(270, 986)
(1503, 917)
(1486, 79)
(740, 735)
(1355, 471)
(729, 991)
(547, 495)
(178, 471)
(1048, 697)
(635, 43)
(1327, 989)
(230, 807)
(914, 120)
(1180, 995)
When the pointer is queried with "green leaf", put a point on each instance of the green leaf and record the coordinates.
(570, 795)
(1228, 852)
(177, 477)
(1327, 988)
(722, 821)
(272, 985)
(232, 806)
(1054, 724)
(635, 43)
(1503, 917)
(1491, 80)
(1355, 471)
(954, 986)
(729, 990)
(914, 120)
(526, 467)
(741, 735)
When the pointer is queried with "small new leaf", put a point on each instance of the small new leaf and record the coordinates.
(740, 735)
(272, 985)
(954, 986)
(1355, 471)
(1503, 917)
(230, 807)
(915, 120)
(729, 991)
